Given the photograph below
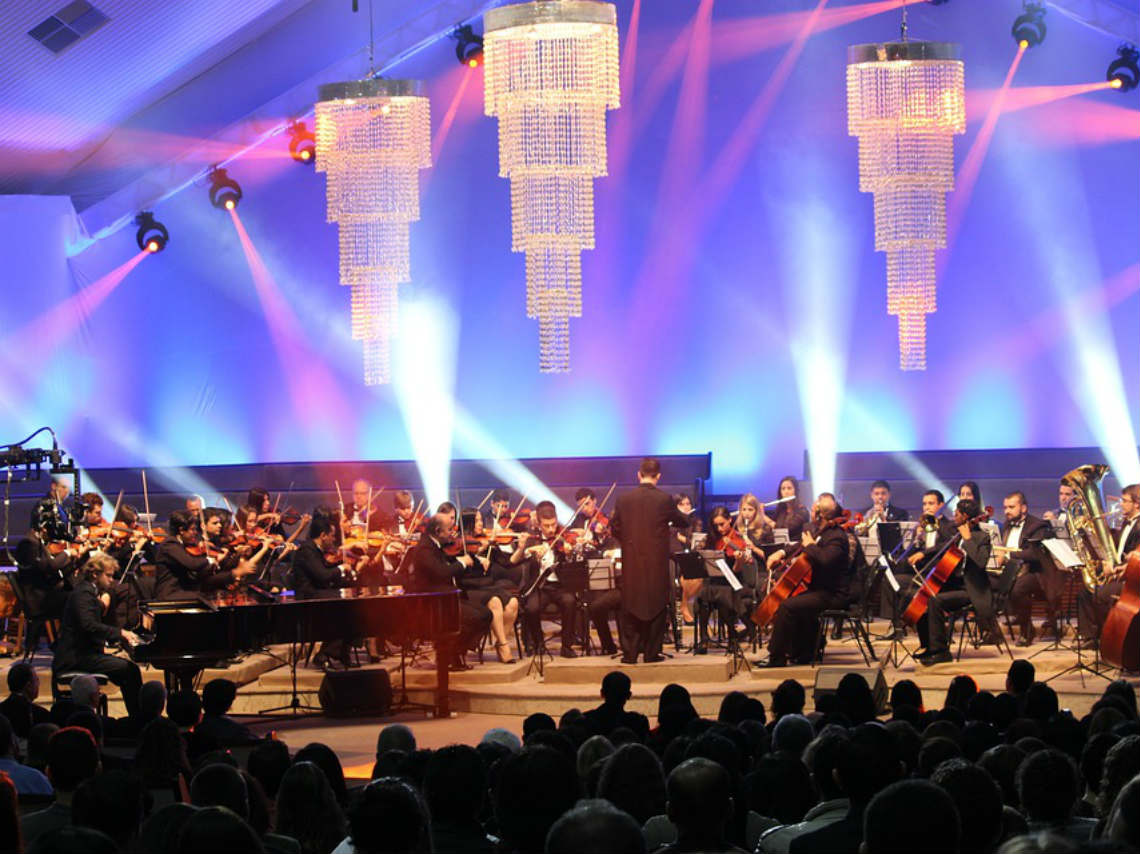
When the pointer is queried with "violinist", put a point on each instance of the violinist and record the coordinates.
(716, 594)
(43, 567)
(179, 572)
(1036, 576)
(541, 553)
(590, 520)
(484, 586)
(194, 504)
(126, 537)
(405, 526)
(825, 545)
(500, 508)
(258, 499)
(790, 515)
(435, 571)
(317, 566)
(92, 520)
(881, 509)
(970, 583)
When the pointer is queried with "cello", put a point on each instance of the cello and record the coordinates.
(1120, 637)
(796, 577)
(951, 558)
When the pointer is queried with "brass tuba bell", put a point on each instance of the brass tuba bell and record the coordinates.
(1084, 516)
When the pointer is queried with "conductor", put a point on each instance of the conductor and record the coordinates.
(641, 523)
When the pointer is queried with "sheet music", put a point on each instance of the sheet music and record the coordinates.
(729, 575)
(1062, 552)
(887, 574)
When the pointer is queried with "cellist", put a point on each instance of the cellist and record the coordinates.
(826, 548)
(969, 583)
(1092, 609)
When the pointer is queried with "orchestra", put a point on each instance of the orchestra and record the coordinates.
(781, 567)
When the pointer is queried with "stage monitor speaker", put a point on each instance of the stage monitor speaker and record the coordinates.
(827, 680)
(355, 693)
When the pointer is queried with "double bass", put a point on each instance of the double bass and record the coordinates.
(796, 577)
(951, 558)
(1120, 637)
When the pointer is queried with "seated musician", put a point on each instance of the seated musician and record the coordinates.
(128, 539)
(405, 525)
(44, 573)
(194, 504)
(970, 489)
(267, 517)
(500, 509)
(541, 554)
(83, 632)
(682, 541)
(750, 522)
(716, 593)
(791, 515)
(92, 519)
(317, 566)
(179, 572)
(483, 586)
(1037, 577)
(826, 546)
(970, 584)
(593, 524)
(359, 513)
(434, 571)
(1093, 608)
(1065, 494)
(881, 509)
(931, 535)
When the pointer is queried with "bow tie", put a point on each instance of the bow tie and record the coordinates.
(1017, 524)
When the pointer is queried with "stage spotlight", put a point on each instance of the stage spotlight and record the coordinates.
(1124, 71)
(468, 46)
(225, 193)
(302, 144)
(152, 235)
(1029, 28)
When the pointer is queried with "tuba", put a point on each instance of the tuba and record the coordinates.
(1084, 516)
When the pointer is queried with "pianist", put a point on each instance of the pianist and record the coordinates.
(83, 633)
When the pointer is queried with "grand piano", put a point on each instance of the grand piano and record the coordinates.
(194, 633)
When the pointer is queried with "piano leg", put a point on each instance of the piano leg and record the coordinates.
(443, 653)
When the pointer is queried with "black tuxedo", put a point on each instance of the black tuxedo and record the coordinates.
(42, 575)
(970, 584)
(1035, 574)
(82, 636)
(311, 571)
(796, 624)
(893, 514)
(178, 573)
(640, 523)
(433, 572)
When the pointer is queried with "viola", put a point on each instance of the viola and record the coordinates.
(732, 544)
(1120, 636)
(950, 560)
(518, 521)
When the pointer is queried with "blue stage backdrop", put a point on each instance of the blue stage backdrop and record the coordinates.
(750, 323)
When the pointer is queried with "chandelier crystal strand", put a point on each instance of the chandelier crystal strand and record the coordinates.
(373, 137)
(551, 73)
(905, 103)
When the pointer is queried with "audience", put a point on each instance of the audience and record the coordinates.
(20, 706)
(1010, 772)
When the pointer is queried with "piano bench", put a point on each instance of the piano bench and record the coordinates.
(61, 687)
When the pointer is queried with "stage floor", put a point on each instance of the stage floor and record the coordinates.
(494, 694)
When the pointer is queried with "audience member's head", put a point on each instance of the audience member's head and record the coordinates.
(86, 719)
(1041, 702)
(502, 737)
(561, 742)
(788, 699)
(934, 752)
(792, 733)
(907, 743)
(634, 781)
(780, 787)
(72, 757)
(616, 688)
(867, 763)
(85, 691)
(220, 785)
(977, 738)
(323, 757)
(959, 692)
(1020, 676)
(535, 787)
(593, 750)
(217, 830)
(217, 696)
(307, 809)
(23, 680)
(111, 802)
(152, 700)
(699, 802)
(980, 707)
(267, 762)
(909, 816)
(161, 829)
(536, 722)
(1121, 764)
(906, 692)
(1047, 786)
(1092, 759)
(821, 758)
(1001, 763)
(161, 754)
(389, 817)
(39, 737)
(1123, 822)
(395, 737)
(856, 702)
(596, 826)
(732, 708)
(184, 708)
(1123, 689)
(978, 800)
(455, 784)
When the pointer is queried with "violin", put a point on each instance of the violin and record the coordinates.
(951, 558)
(519, 521)
(733, 544)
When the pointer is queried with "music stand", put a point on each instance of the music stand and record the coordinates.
(711, 569)
(295, 708)
(898, 628)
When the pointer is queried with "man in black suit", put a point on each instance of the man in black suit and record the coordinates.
(433, 571)
(934, 531)
(312, 573)
(83, 633)
(881, 508)
(970, 583)
(1036, 574)
(641, 523)
(796, 624)
(541, 556)
(178, 573)
(1093, 608)
(20, 708)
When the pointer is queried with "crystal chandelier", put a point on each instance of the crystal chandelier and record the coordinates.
(905, 102)
(373, 137)
(551, 72)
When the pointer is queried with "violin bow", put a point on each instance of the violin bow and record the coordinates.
(511, 521)
(118, 503)
(459, 518)
(486, 498)
(146, 504)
